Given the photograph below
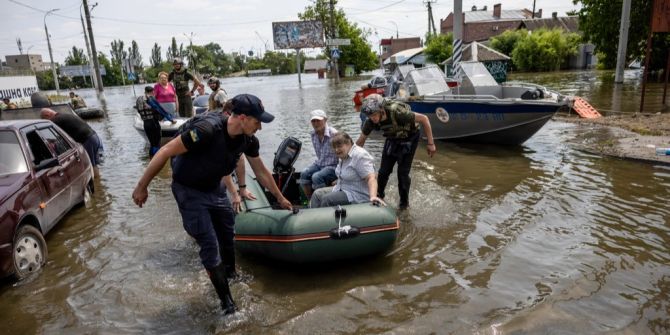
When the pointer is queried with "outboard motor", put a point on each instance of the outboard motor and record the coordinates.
(533, 94)
(285, 157)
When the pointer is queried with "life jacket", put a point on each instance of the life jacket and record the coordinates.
(215, 104)
(396, 110)
(180, 81)
(145, 111)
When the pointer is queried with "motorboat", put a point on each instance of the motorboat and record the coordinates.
(376, 85)
(479, 109)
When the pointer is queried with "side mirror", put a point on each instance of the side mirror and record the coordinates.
(47, 163)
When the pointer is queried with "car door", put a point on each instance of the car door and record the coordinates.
(53, 179)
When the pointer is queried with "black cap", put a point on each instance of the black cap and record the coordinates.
(148, 89)
(250, 105)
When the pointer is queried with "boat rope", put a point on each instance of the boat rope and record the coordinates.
(339, 212)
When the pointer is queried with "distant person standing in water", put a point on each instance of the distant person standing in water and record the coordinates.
(180, 77)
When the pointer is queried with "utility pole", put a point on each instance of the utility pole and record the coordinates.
(396, 29)
(533, 15)
(623, 41)
(333, 34)
(191, 56)
(18, 42)
(88, 47)
(96, 64)
(458, 38)
(431, 22)
(51, 57)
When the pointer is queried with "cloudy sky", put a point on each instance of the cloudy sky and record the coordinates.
(235, 25)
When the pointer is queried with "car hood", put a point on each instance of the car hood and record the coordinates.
(11, 183)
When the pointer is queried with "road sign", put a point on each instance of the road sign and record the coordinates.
(131, 76)
(338, 41)
(335, 53)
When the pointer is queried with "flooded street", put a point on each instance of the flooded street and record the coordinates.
(539, 238)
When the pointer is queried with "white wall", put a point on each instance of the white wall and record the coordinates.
(18, 88)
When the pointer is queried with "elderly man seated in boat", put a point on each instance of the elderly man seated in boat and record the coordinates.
(356, 181)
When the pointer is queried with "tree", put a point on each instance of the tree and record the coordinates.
(174, 51)
(76, 56)
(358, 52)
(599, 20)
(544, 50)
(118, 53)
(506, 42)
(135, 55)
(439, 47)
(156, 58)
(113, 76)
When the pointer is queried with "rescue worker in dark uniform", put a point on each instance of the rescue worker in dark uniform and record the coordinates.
(218, 97)
(180, 78)
(208, 150)
(150, 112)
(399, 126)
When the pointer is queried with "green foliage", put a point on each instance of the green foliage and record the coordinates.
(156, 58)
(174, 51)
(113, 76)
(439, 47)
(358, 53)
(506, 42)
(117, 52)
(151, 73)
(544, 50)
(76, 56)
(599, 20)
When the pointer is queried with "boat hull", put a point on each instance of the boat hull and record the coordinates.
(306, 235)
(497, 122)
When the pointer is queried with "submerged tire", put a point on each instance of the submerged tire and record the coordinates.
(29, 251)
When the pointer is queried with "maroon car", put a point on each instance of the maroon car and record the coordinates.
(43, 174)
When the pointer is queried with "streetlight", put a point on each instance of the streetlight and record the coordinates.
(396, 28)
(51, 57)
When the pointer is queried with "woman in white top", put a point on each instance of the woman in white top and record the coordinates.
(356, 178)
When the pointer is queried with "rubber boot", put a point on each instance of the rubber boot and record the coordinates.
(218, 277)
(228, 260)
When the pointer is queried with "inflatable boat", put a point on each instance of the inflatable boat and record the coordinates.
(308, 235)
(89, 112)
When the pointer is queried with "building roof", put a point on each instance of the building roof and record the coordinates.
(567, 23)
(483, 54)
(315, 64)
(404, 56)
(480, 15)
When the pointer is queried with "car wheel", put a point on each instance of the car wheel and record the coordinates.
(30, 251)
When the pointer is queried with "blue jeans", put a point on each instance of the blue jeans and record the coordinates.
(208, 217)
(317, 177)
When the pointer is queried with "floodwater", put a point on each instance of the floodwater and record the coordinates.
(539, 238)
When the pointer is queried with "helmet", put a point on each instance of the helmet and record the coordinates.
(372, 104)
(177, 60)
(213, 80)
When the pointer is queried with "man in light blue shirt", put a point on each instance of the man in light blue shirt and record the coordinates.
(321, 173)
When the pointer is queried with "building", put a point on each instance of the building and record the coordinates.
(390, 46)
(482, 24)
(314, 65)
(25, 62)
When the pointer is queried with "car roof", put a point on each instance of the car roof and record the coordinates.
(18, 124)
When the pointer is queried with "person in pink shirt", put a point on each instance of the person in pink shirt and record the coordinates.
(165, 94)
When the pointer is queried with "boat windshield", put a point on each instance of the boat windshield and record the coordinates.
(426, 81)
(11, 156)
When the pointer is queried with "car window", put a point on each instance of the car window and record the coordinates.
(12, 159)
(54, 140)
(38, 148)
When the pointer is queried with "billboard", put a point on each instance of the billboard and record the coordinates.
(297, 34)
(79, 70)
